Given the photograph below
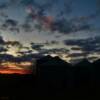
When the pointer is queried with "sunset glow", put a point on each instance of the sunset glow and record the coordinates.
(16, 68)
(16, 65)
(15, 71)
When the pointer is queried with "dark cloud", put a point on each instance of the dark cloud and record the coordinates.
(40, 46)
(41, 11)
(76, 48)
(36, 11)
(11, 25)
(73, 24)
(53, 42)
(75, 61)
(42, 51)
(38, 27)
(3, 14)
(53, 51)
(14, 1)
(58, 50)
(92, 58)
(13, 43)
(27, 2)
(11, 22)
(5, 45)
(58, 36)
(2, 42)
(32, 56)
(14, 29)
(75, 55)
(3, 6)
(25, 52)
(37, 46)
(89, 45)
(46, 4)
(27, 27)
(6, 57)
(63, 25)
(2, 49)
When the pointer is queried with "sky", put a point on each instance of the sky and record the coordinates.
(69, 29)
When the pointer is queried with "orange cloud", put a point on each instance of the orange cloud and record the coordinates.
(15, 71)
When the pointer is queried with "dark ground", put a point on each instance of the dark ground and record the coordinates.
(56, 79)
(27, 87)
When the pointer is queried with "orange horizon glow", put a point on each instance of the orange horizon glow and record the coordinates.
(15, 71)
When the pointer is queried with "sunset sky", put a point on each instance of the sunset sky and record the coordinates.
(69, 29)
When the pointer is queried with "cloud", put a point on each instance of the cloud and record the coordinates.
(53, 42)
(37, 46)
(2, 42)
(3, 6)
(42, 47)
(63, 25)
(49, 16)
(5, 46)
(3, 14)
(11, 22)
(14, 29)
(25, 52)
(11, 58)
(6, 57)
(13, 43)
(75, 60)
(37, 11)
(46, 48)
(27, 27)
(11, 25)
(26, 2)
(2, 49)
(32, 56)
(89, 45)
(55, 51)
(75, 55)
(93, 58)
(42, 50)
(58, 50)
(40, 12)
(76, 48)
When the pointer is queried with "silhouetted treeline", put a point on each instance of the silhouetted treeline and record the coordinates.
(54, 77)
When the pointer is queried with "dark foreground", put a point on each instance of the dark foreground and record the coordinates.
(27, 87)
(54, 78)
